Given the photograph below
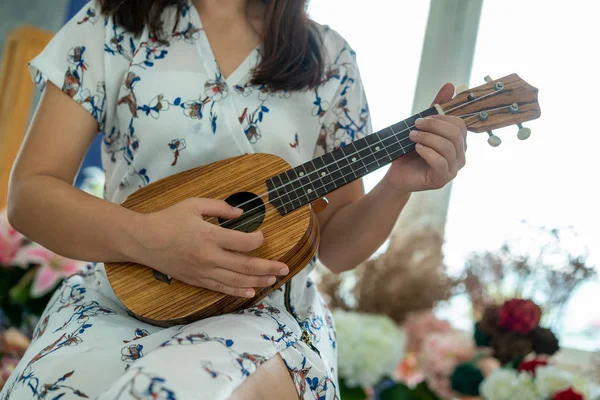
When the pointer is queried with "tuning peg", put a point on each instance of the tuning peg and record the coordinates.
(493, 140)
(488, 79)
(461, 88)
(523, 133)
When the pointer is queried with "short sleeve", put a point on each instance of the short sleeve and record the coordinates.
(344, 117)
(74, 61)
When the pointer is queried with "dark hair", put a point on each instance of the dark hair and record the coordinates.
(291, 52)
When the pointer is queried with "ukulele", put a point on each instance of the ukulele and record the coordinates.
(277, 199)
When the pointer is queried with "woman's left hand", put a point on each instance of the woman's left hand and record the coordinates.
(440, 151)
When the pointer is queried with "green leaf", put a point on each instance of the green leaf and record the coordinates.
(351, 393)
(398, 391)
(422, 392)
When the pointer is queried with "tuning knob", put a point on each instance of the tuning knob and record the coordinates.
(523, 133)
(488, 79)
(493, 140)
(461, 88)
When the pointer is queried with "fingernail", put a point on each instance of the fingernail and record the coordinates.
(419, 122)
(271, 280)
(249, 293)
(413, 134)
(284, 271)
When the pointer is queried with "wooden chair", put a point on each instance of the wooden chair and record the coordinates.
(16, 95)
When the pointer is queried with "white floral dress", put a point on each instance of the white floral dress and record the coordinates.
(164, 108)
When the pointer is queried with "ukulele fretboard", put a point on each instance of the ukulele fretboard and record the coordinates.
(314, 179)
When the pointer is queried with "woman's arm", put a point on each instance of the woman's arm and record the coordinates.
(355, 225)
(44, 205)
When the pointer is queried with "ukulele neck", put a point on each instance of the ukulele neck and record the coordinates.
(314, 179)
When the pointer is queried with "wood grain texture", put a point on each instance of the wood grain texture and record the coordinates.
(292, 239)
(496, 103)
(16, 96)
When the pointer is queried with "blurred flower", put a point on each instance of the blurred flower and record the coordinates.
(52, 267)
(13, 342)
(500, 385)
(568, 394)
(13, 345)
(531, 365)
(441, 353)
(10, 241)
(519, 315)
(551, 380)
(420, 324)
(370, 347)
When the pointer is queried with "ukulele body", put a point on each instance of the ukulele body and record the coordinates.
(292, 239)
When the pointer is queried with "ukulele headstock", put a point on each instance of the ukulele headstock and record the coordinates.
(496, 104)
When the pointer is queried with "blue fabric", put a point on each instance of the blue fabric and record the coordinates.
(92, 158)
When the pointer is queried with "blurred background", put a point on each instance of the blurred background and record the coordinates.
(520, 222)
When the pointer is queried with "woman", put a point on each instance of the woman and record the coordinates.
(174, 84)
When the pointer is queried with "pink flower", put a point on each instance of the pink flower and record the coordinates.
(421, 324)
(52, 267)
(441, 353)
(10, 241)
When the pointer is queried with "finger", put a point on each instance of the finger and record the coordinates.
(216, 286)
(446, 129)
(236, 240)
(455, 121)
(437, 163)
(439, 144)
(445, 94)
(237, 280)
(249, 265)
(214, 208)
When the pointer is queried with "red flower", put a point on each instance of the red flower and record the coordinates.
(568, 394)
(530, 366)
(518, 315)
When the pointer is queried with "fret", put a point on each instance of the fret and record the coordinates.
(293, 188)
(356, 164)
(274, 197)
(345, 162)
(306, 183)
(325, 171)
(335, 168)
(375, 143)
(366, 154)
(392, 146)
(290, 199)
(315, 177)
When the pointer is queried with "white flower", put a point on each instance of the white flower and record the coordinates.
(550, 380)
(500, 385)
(369, 346)
(526, 388)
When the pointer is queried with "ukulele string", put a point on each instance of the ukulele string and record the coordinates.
(290, 202)
(367, 147)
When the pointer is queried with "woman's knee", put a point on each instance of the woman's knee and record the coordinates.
(270, 381)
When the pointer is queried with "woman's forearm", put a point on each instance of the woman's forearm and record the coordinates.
(357, 230)
(70, 222)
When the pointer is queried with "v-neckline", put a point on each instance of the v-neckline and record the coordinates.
(240, 71)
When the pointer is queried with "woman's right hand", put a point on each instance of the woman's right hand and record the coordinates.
(178, 242)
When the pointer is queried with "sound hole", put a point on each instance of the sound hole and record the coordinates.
(253, 216)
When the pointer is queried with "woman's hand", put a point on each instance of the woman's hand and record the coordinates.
(440, 151)
(178, 242)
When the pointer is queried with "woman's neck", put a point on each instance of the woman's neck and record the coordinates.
(223, 8)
